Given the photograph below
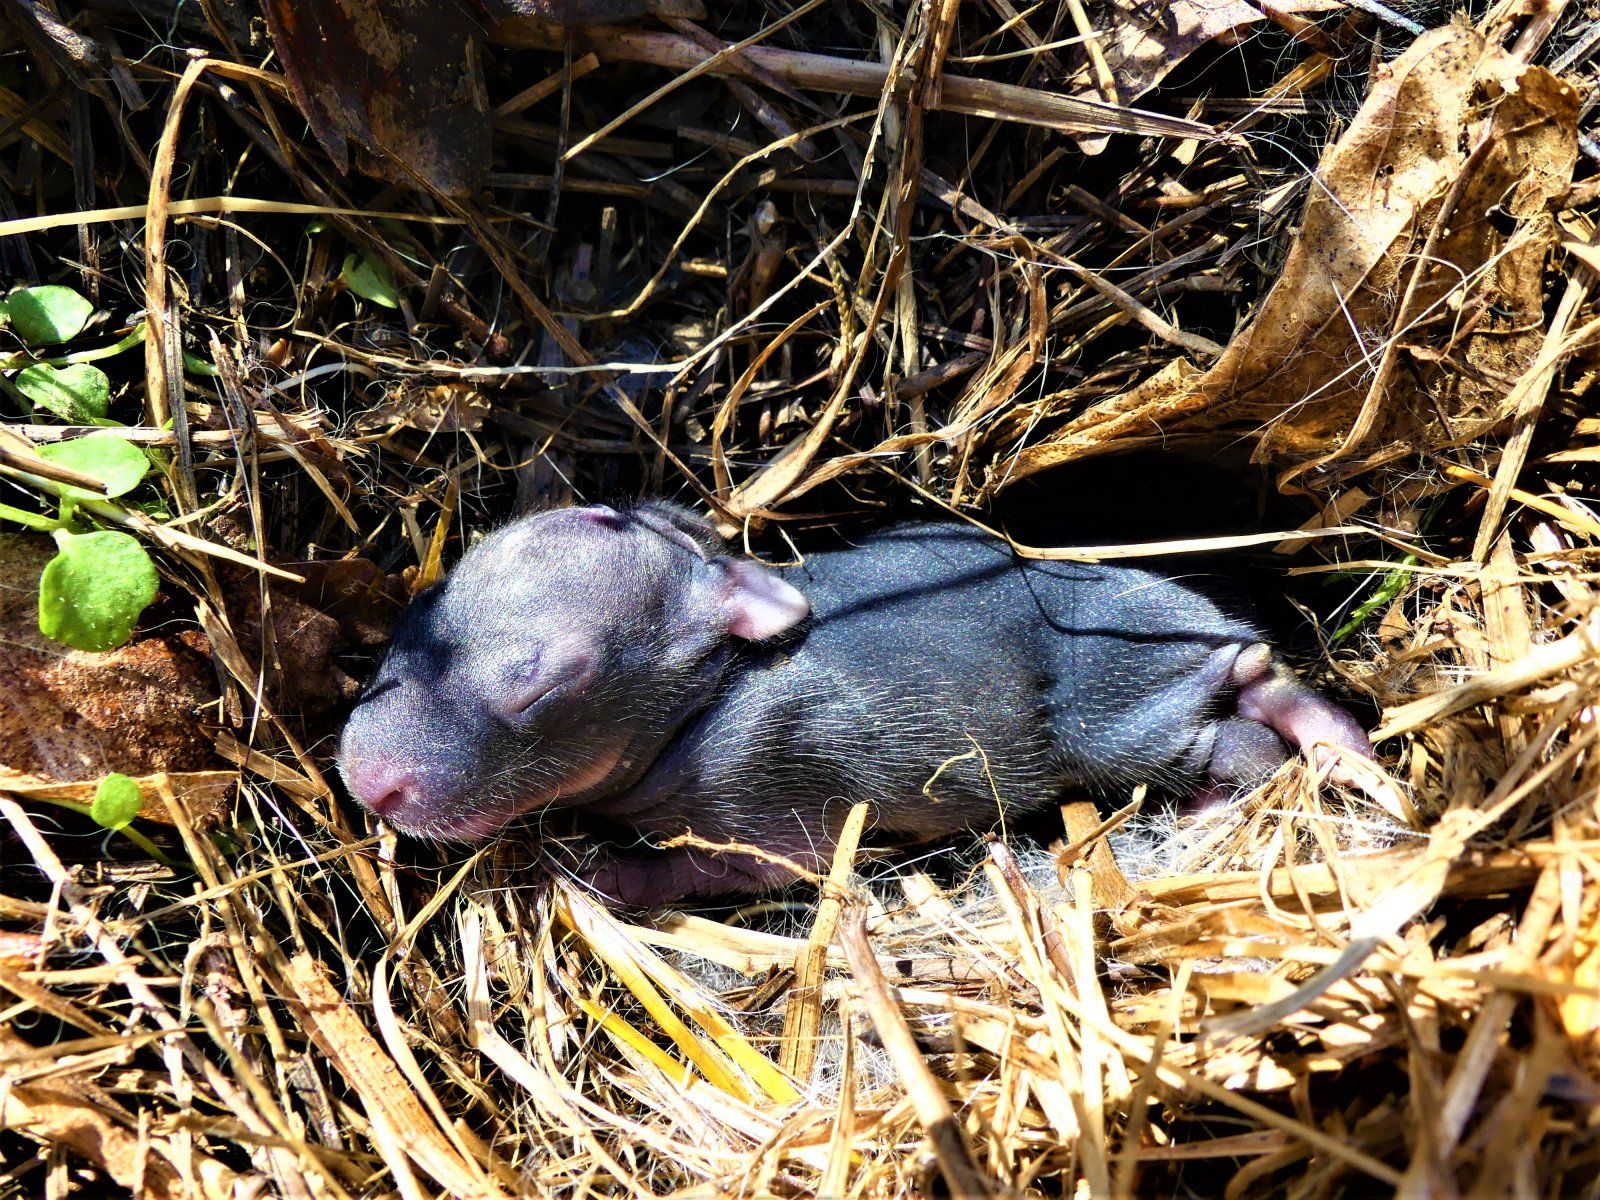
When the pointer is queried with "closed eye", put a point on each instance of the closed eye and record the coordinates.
(542, 683)
(524, 702)
(376, 688)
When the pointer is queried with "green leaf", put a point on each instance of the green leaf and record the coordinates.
(113, 460)
(44, 316)
(371, 279)
(117, 801)
(79, 393)
(93, 591)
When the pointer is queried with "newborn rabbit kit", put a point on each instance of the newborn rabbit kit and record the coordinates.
(631, 665)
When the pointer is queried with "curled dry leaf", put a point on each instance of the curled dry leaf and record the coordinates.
(430, 407)
(1459, 141)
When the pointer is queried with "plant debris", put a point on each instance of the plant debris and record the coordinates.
(358, 281)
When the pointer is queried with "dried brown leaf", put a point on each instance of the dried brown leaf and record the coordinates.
(430, 407)
(1299, 374)
(1143, 43)
(83, 1120)
(400, 82)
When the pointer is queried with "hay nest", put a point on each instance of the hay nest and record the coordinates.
(364, 279)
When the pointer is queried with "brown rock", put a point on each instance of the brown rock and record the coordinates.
(72, 715)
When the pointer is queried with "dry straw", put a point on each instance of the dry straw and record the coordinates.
(799, 262)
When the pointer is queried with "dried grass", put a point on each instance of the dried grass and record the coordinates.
(837, 296)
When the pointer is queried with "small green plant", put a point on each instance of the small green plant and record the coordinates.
(79, 393)
(116, 462)
(93, 591)
(95, 588)
(67, 386)
(366, 274)
(48, 315)
(1391, 583)
(117, 802)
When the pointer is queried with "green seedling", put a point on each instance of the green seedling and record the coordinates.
(94, 590)
(1391, 585)
(134, 337)
(196, 365)
(65, 385)
(116, 462)
(117, 801)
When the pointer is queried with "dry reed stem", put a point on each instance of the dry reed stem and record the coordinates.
(909, 277)
(819, 72)
(933, 1111)
(802, 1013)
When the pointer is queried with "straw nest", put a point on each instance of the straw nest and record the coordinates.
(868, 259)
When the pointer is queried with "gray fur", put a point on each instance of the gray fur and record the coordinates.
(937, 677)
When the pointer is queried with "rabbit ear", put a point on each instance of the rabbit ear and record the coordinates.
(757, 604)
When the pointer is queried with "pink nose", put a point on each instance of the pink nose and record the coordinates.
(382, 787)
